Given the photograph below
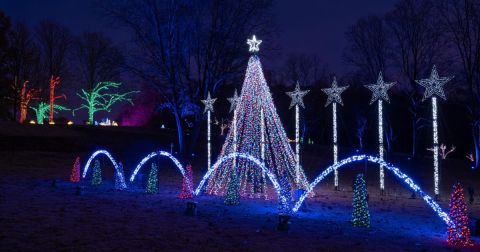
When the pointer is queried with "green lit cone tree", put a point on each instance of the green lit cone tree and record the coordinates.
(232, 197)
(361, 215)
(152, 183)
(97, 173)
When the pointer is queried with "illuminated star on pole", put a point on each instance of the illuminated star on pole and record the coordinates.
(380, 89)
(434, 85)
(254, 43)
(334, 93)
(208, 103)
(297, 96)
(234, 100)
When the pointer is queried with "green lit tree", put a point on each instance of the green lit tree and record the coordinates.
(360, 216)
(232, 197)
(152, 184)
(97, 173)
(101, 98)
(42, 111)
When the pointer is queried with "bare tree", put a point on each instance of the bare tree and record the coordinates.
(461, 19)
(98, 59)
(367, 48)
(417, 44)
(187, 48)
(304, 68)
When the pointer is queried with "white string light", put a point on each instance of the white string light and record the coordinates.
(118, 170)
(209, 108)
(254, 43)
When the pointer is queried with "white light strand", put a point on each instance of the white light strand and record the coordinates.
(335, 143)
(297, 143)
(381, 149)
(262, 150)
(429, 200)
(435, 146)
(118, 171)
(209, 154)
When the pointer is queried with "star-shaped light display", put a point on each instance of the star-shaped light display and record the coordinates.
(297, 96)
(334, 93)
(208, 103)
(233, 100)
(254, 43)
(434, 85)
(380, 89)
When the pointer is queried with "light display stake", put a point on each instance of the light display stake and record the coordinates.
(380, 92)
(297, 100)
(209, 108)
(98, 100)
(334, 96)
(434, 87)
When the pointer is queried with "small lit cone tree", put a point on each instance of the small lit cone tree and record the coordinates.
(42, 110)
(286, 191)
(232, 197)
(75, 174)
(187, 185)
(152, 183)
(97, 173)
(100, 98)
(119, 178)
(360, 216)
(458, 231)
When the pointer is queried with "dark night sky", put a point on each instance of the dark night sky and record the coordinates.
(309, 26)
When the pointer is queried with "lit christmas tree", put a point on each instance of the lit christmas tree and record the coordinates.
(187, 185)
(458, 232)
(286, 191)
(97, 173)
(360, 216)
(152, 184)
(119, 178)
(257, 131)
(232, 197)
(75, 174)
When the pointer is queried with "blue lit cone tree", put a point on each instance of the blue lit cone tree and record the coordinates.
(152, 183)
(97, 173)
(361, 215)
(458, 231)
(286, 191)
(232, 197)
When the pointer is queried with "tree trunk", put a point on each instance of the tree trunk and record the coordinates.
(195, 134)
(476, 143)
(414, 137)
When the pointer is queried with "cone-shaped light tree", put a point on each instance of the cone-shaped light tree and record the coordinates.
(152, 183)
(361, 215)
(458, 231)
(75, 174)
(97, 173)
(187, 184)
(232, 197)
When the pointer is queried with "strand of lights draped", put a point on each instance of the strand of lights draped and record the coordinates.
(209, 109)
(434, 87)
(334, 96)
(118, 169)
(297, 101)
(278, 156)
(152, 155)
(402, 176)
(380, 92)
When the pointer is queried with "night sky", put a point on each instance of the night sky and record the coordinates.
(307, 26)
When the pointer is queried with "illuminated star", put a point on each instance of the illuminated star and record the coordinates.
(434, 85)
(297, 96)
(208, 103)
(380, 89)
(233, 100)
(334, 93)
(254, 43)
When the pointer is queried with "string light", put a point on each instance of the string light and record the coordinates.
(334, 96)
(458, 234)
(360, 215)
(152, 155)
(209, 108)
(118, 169)
(380, 92)
(434, 87)
(75, 174)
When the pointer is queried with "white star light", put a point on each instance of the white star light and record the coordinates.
(297, 96)
(334, 93)
(380, 89)
(434, 85)
(234, 100)
(254, 43)
(208, 103)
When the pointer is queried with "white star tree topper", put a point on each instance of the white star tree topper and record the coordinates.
(334, 93)
(234, 101)
(380, 89)
(434, 85)
(208, 103)
(254, 44)
(297, 96)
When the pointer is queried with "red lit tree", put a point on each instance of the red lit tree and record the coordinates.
(187, 185)
(25, 96)
(54, 81)
(458, 231)
(75, 175)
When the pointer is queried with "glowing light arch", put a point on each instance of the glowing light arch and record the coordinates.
(258, 164)
(154, 154)
(395, 170)
(118, 171)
